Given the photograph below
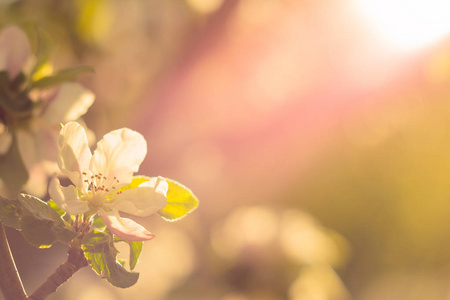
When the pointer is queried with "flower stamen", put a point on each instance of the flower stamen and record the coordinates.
(97, 192)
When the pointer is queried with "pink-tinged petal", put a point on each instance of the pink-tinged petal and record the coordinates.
(37, 142)
(145, 200)
(14, 50)
(45, 139)
(71, 102)
(37, 181)
(38, 139)
(27, 147)
(66, 198)
(126, 229)
(74, 153)
(119, 154)
(29, 144)
(38, 150)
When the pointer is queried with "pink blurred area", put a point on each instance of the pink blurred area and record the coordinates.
(264, 92)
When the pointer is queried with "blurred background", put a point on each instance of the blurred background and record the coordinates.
(315, 133)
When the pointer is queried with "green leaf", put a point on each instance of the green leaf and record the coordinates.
(42, 225)
(38, 232)
(102, 256)
(10, 212)
(63, 233)
(95, 244)
(43, 49)
(98, 223)
(180, 202)
(42, 233)
(65, 216)
(135, 251)
(61, 77)
(39, 208)
(55, 207)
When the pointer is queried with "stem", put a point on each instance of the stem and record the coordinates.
(75, 261)
(10, 283)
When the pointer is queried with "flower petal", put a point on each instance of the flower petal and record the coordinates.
(74, 153)
(145, 200)
(126, 229)
(14, 50)
(66, 198)
(71, 102)
(37, 181)
(119, 155)
(27, 147)
(38, 150)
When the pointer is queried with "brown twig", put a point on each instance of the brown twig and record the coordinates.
(10, 283)
(75, 261)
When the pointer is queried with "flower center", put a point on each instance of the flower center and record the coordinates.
(100, 189)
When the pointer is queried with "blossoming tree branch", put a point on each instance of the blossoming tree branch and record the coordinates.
(42, 138)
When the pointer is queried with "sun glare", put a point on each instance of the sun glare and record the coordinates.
(408, 24)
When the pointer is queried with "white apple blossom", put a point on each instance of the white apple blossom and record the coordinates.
(98, 178)
(36, 131)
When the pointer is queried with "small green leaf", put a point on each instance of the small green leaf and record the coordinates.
(180, 202)
(43, 49)
(135, 251)
(95, 244)
(61, 77)
(98, 224)
(10, 212)
(102, 256)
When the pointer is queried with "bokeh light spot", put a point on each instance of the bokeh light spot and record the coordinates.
(205, 6)
(408, 25)
(246, 226)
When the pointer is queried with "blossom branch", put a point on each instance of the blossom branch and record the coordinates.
(10, 283)
(75, 261)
